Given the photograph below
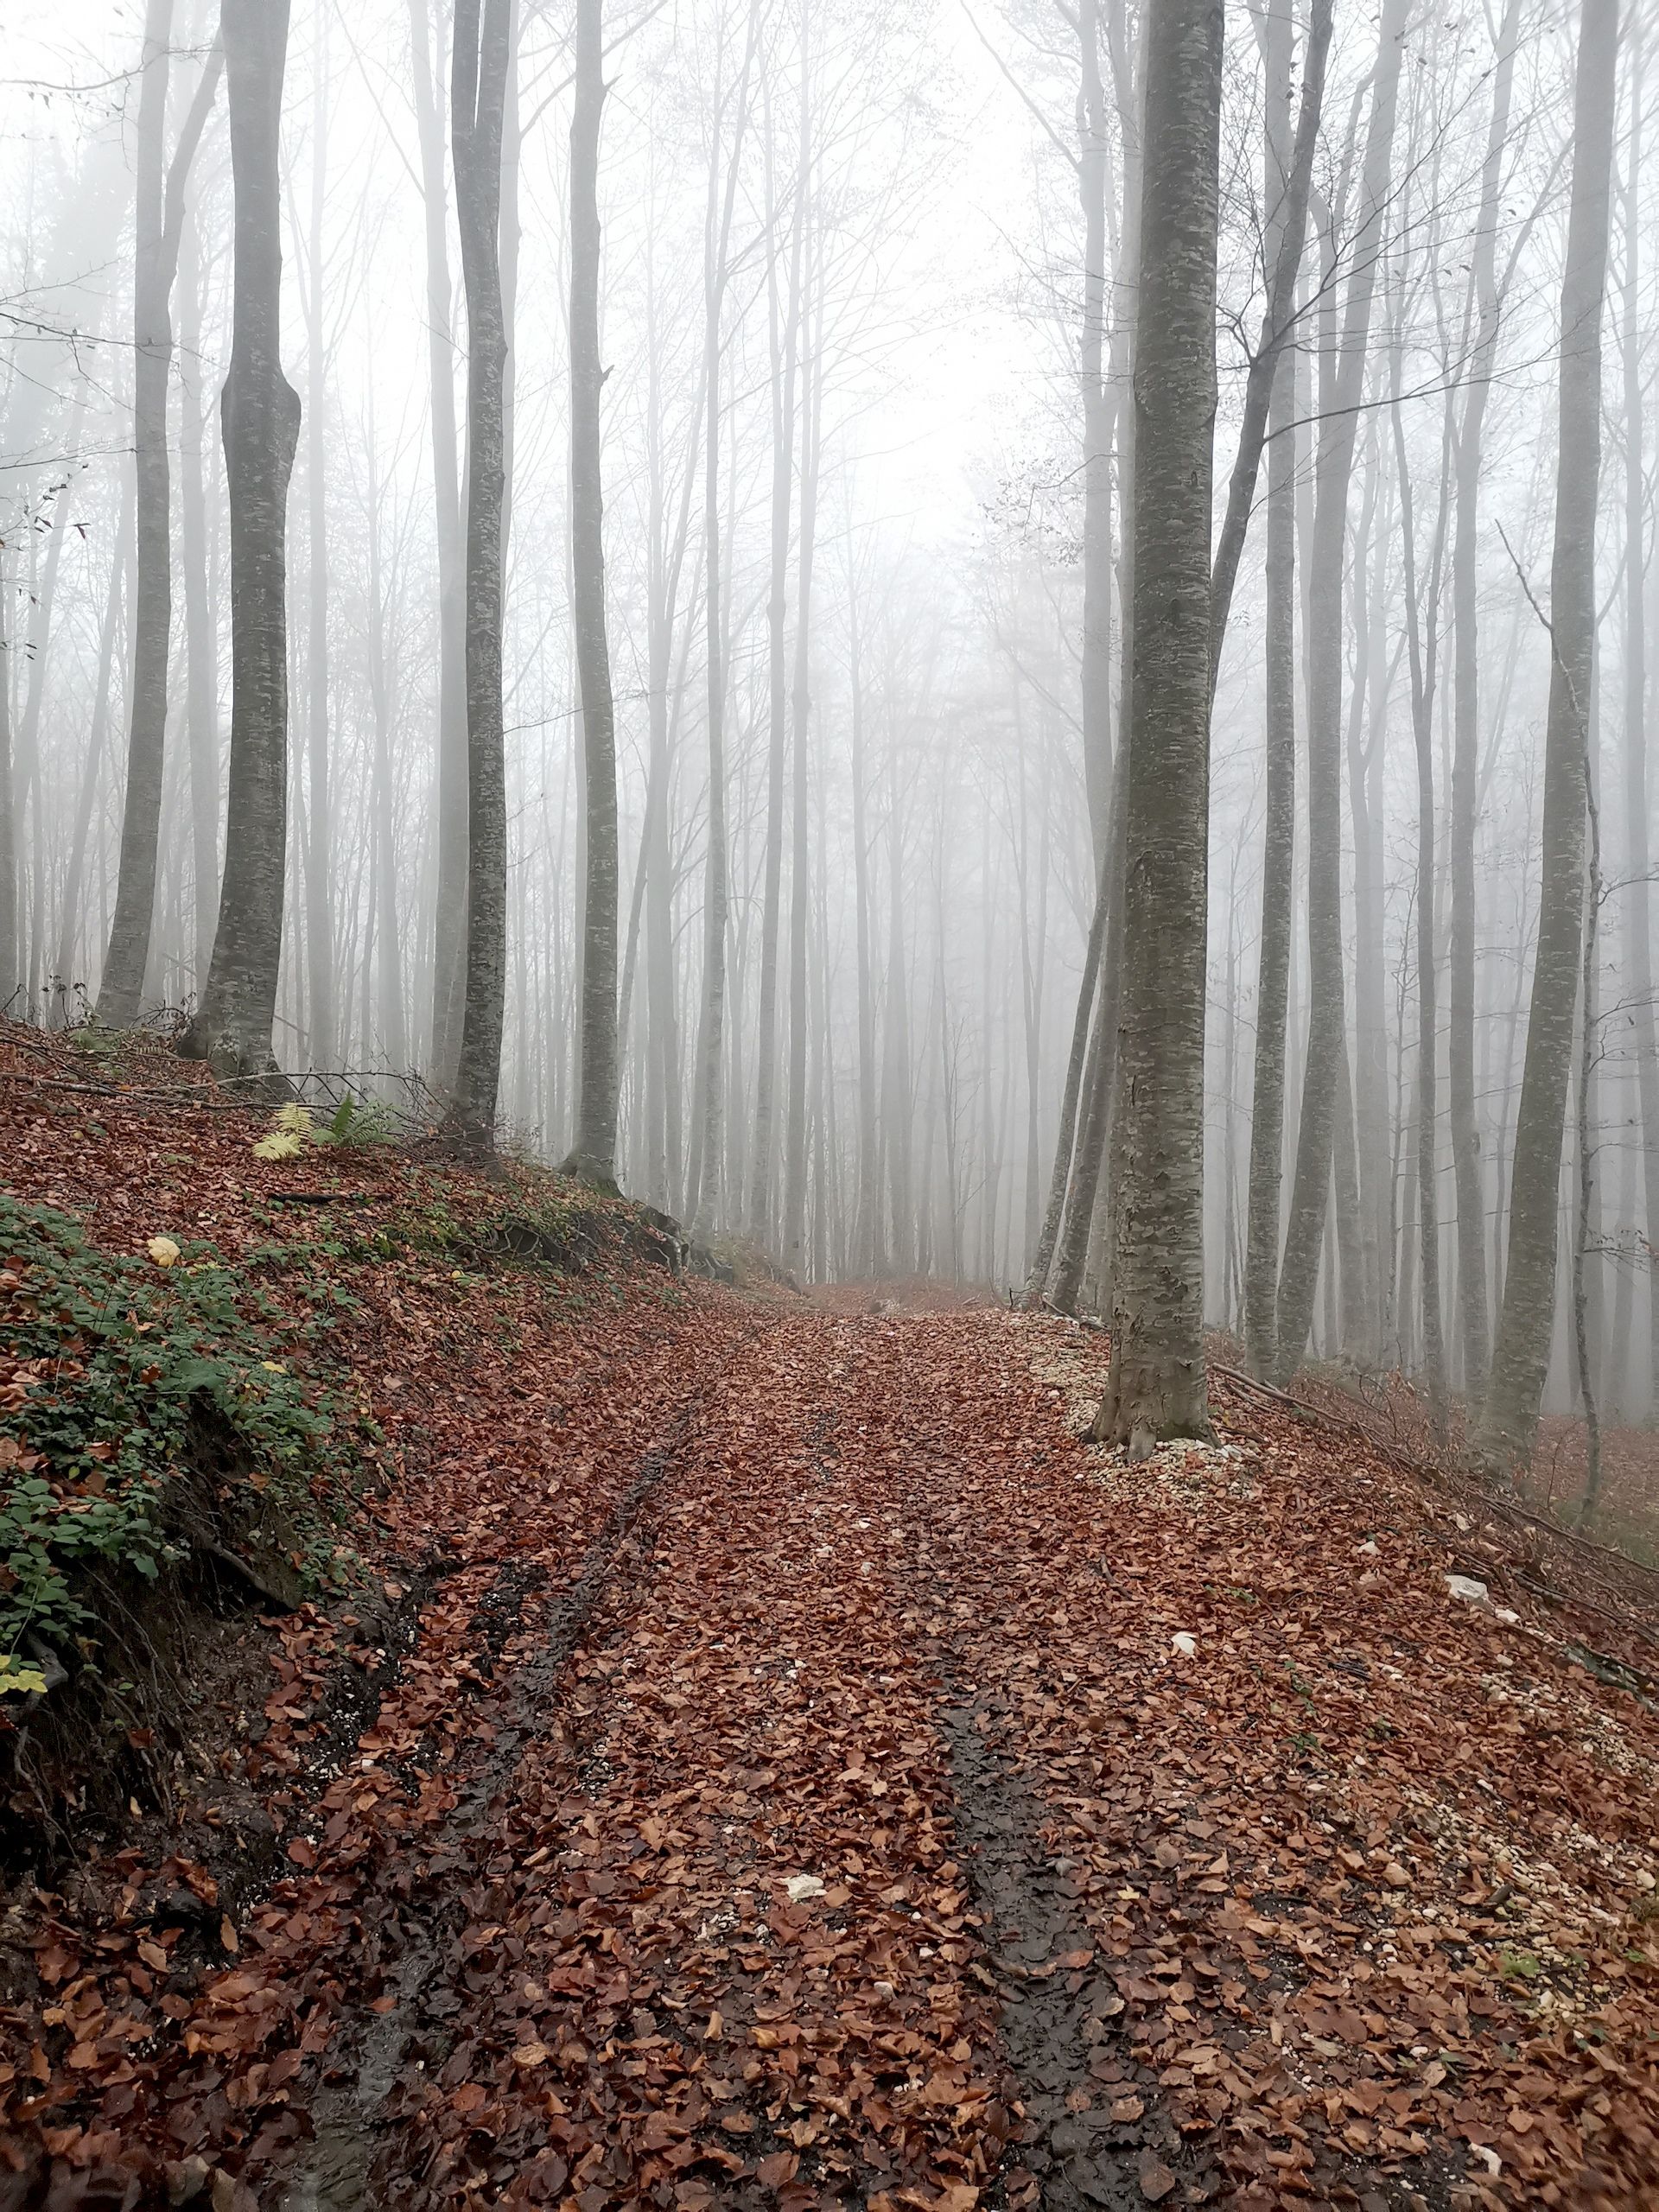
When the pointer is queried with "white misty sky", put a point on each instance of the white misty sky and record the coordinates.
(956, 374)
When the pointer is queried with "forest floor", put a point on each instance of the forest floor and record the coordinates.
(763, 1757)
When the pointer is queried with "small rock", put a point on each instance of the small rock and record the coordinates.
(1156, 2179)
(1466, 1587)
(1396, 1875)
(1369, 1548)
(1186, 1645)
(802, 1886)
(187, 2180)
(1504, 1614)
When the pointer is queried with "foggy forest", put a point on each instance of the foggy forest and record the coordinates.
(975, 676)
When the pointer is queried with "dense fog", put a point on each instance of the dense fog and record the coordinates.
(684, 729)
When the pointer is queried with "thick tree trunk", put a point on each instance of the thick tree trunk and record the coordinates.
(260, 412)
(483, 46)
(1521, 1353)
(594, 1156)
(1156, 1387)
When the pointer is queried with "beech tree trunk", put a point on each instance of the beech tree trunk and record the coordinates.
(200, 630)
(707, 1180)
(260, 413)
(1273, 966)
(450, 918)
(797, 1256)
(1327, 1025)
(320, 1028)
(160, 224)
(483, 44)
(1466, 761)
(1520, 1352)
(786, 353)
(1156, 1387)
(1099, 411)
(594, 1156)
(1639, 912)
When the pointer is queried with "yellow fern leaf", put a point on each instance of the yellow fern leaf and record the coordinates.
(285, 1138)
(280, 1144)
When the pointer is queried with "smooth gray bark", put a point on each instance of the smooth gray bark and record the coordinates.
(483, 46)
(450, 912)
(1466, 765)
(260, 413)
(784, 332)
(200, 630)
(1156, 1387)
(797, 1256)
(320, 951)
(1639, 910)
(1277, 852)
(160, 224)
(1286, 232)
(594, 1156)
(1520, 1352)
(1339, 410)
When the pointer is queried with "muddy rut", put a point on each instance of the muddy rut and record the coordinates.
(741, 1900)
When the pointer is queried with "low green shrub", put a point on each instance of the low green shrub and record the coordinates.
(138, 1396)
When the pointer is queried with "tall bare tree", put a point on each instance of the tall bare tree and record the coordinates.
(478, 90)
(1157, 1386)
(594, 1155)
(1521, 1352)
(159, 226)
(1340, 408)
(261, 415)
(1483, 314)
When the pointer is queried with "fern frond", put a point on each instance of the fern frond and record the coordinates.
(280, 1144)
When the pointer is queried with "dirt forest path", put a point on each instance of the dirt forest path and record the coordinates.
(852, 1828)
(718, 1937)
(825, 1782)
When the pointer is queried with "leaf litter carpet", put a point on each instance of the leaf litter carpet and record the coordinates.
(872, 1795)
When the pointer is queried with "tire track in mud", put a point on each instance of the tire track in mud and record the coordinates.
(1094, 2132)
(1084, 2143)
(1085, 2127)
(336, 2172)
